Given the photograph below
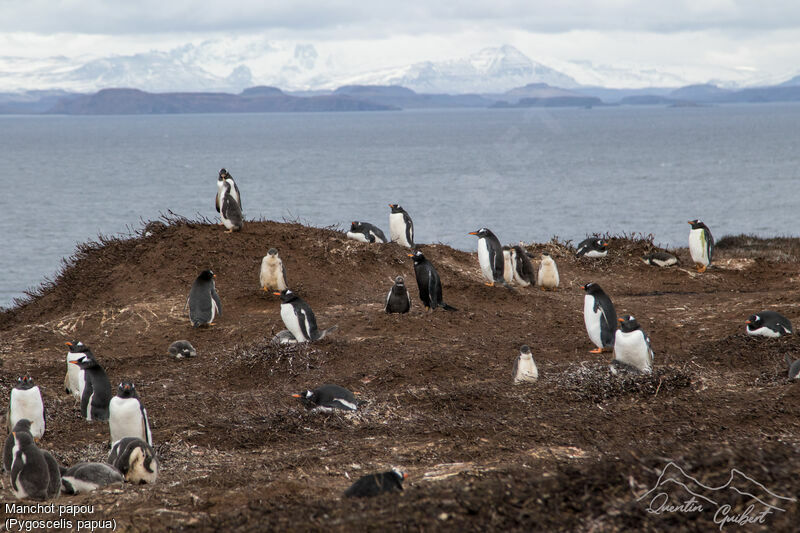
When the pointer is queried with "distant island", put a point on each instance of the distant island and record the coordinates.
(261, 99)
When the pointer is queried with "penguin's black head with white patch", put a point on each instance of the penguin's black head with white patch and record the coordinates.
(308, 397)
(400, 474)
(206, 275)
(628, 323)
(601, 243)
(592, 288)
(85, 362)
(127, 389)
(697, 224)
(418, 257)
(25, 383)
(223, 174)
(483, 232)
(396, 208)
(77, 347)
(355, 225)
(754, 322)
(525, 349)
(287, 295)
(272, 251)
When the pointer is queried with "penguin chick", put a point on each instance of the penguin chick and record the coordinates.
(22, 426)
(181, 349)
(135, 459)
(398, 300)
(203, 301)
(524, 275)
(54, 473)
(548, 273)
(327, 398)
(508, 265)
(30, 473)
(283, 337)
(365, 232)
(768, 324)
(127, 416)
(86, 477)
(273, 273)
(525, 370)
(26, 402)
(225, 176)
(660, 259)
(375, 484)
(794, 368)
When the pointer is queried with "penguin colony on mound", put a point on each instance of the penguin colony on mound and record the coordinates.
(35, 473)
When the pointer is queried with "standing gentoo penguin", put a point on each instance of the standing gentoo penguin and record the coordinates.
(490, 256)
(398, 300)
(525, 367)
(429, 283)
(327, 398)
(600, 317)
(181, 349)
(632, 346)
(524, 274)
(548, 273)
(365, 232)
(127, 417)
(73, 381)
(401, 228)
(701, 245)
(203, 300)
(769, 324)
(272, 274)
(22, 426)
(96, 388)
(135, 459)
(224, 176)
(86, 477)
(30, 471)
(374, 484)
(26, 402)
(299, 318)
(592, 247)
(794, 368)
(230, 213)
(661, 259)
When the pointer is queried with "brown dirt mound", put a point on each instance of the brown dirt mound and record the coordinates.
(571, 452)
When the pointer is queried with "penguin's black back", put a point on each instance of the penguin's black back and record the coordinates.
(398, 300)
(429, 283)
(328, 393)
(608, 320)
(98, 388)
(374, 484)
(775, 321)
(523, 266)
(302, 309)
(201, 299)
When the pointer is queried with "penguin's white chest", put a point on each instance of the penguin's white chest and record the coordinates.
(292, 322)
(592, 320)
(397, 229)
(698, 247)
(508, 266)
(548, 274)
(631, 348)
(125, 419)
(360, 237)
(596, 253)
(484, 259)
(762, 332)
(272, 273)
(526, 369)
(74, 379)
(27, 404)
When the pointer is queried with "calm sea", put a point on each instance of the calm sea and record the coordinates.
(526, 174)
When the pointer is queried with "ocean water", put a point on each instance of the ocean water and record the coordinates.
(526, 174)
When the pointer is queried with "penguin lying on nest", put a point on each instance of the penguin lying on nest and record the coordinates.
(327, 398)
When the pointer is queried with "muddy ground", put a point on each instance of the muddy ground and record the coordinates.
(573, 452)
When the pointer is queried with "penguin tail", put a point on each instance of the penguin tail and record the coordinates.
(448, 307)
(326, 331)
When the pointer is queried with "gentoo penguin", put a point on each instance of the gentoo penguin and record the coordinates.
(769, 324)
(230, 212)
(30, 472)
(508, 265)
(525, 367)
(632, 346)
(701, 245)
(96, 388)
(224, 176)
(26, 402)
(490, 256)
(327, 398)
(127, 417)
(661, 259)
(73, 381)
(135, 459)
(272, 274)
(283, 337)
(600, 317)
(54, 471)
(203, 301)
(365, 232)
(794, 368)
(181, 349)
(299, 318)
(548, 273)
(86, 477)
(592, 247)
(401, 228)
(23, 425)
(429, 283)
(374, 484)
(398, 300)
(524, 274)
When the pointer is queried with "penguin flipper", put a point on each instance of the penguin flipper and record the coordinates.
(409, 229)
(239, 196)
(148, 437)
(447, 307)
(217, 301)
(216, 202)
(88, 390)
(328, 330)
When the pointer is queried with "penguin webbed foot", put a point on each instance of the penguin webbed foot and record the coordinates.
(596, 350)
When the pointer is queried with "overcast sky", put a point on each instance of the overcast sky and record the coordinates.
(697, 38)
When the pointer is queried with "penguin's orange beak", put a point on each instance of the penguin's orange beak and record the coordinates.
(583, 287)
(68, 344)
(296, 396)
(748, 322)
(689, 222)
(276, 293)
(605, 244)
(405, 475)
(391, 205)
(14, 433)
(620, 320)
(74, 362)
(472, 233)
(410, 255)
